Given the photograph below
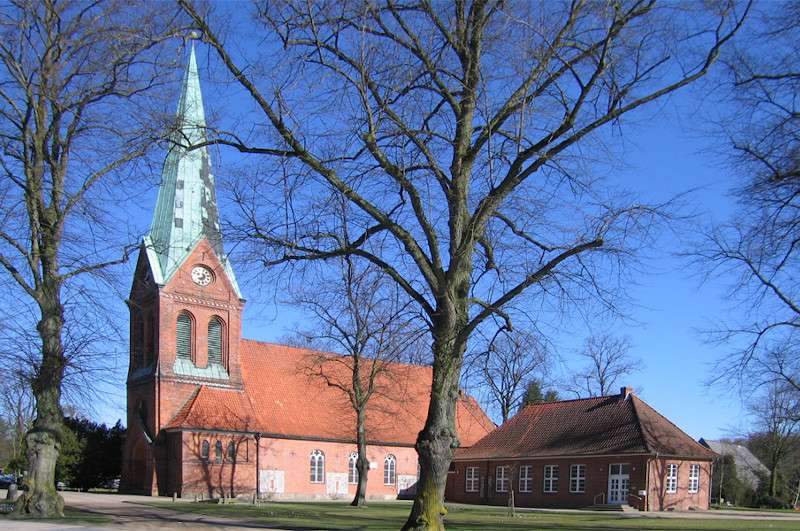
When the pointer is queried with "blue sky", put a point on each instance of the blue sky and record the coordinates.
(663, 156)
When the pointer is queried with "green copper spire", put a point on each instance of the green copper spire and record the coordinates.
(186, 209)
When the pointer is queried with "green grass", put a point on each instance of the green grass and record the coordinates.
(379, 516)
(761, 510)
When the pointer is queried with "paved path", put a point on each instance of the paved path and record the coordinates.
(130, 512)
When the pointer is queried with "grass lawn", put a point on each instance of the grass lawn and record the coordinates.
(340, 516)
(736, 508)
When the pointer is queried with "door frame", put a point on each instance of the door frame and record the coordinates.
(620, 476)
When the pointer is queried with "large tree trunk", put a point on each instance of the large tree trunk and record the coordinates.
(362, 464)
(773, 481)
(41, 500)
(438, 439)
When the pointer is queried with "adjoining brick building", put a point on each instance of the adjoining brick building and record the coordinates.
(212, 414)
(609, 450)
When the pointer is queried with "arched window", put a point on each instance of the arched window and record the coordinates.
(218, 451)
(215, 341)
(317, 463)
(352, 471)
(389, 470)
(204, 449)
(231, 451)
(183, 338)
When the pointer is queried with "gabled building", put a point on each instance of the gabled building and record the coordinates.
(211, 414)
(609, 450)
(749, 470)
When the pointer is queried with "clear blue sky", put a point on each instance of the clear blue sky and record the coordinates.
(663, 156)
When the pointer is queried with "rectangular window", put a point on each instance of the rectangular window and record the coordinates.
(551, 478)
(672, 478)
(577, 478)
(501, 477)
(472, 479)
(526, 478)
(694, 478)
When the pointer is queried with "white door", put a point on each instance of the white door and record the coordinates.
(618, 482)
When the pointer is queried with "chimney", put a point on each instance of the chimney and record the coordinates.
(625, 391)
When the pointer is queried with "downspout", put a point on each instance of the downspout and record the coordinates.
(157, 430)
(647, 484)
(258, 474)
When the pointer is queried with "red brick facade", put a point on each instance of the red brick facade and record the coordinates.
(642, 471)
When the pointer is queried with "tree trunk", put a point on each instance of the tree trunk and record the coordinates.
(773, 481)
(362, 464)
(438, 439)
(41, 500)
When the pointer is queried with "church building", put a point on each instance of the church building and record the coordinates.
(212, 414)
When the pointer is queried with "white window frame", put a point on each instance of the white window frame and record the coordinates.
(577, 479)
(694, 478)
(317, 465)
(472, 479)
(352, 469)
(550, 479)
(389, 470)
(501, 478)
(526, 478)
(672, 478)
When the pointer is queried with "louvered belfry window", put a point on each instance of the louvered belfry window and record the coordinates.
(183, 340)
(215, 341)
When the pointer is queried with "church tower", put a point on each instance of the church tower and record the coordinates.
(185, 304)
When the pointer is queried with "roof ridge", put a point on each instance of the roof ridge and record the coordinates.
(639, 424)
(537, 404)
(673, 424)
(184, 410)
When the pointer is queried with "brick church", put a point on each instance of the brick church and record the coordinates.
(210, 413)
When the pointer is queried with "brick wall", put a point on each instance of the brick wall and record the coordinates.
(641, 470)
(216, 477)
(287, 459)
(595, 488)
(682, 499)
(291, 458)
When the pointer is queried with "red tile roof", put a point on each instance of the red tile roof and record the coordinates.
(281, 398)
(216, 409)
(590, 426)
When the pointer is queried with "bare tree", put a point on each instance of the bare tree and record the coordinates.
(16, 411)
(607, 359)
(503, 368)
(757, 251)
(460, 134)
(71, 77)
(776, 427)
(356, 313)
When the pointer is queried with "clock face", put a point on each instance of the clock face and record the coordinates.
(202, 276)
